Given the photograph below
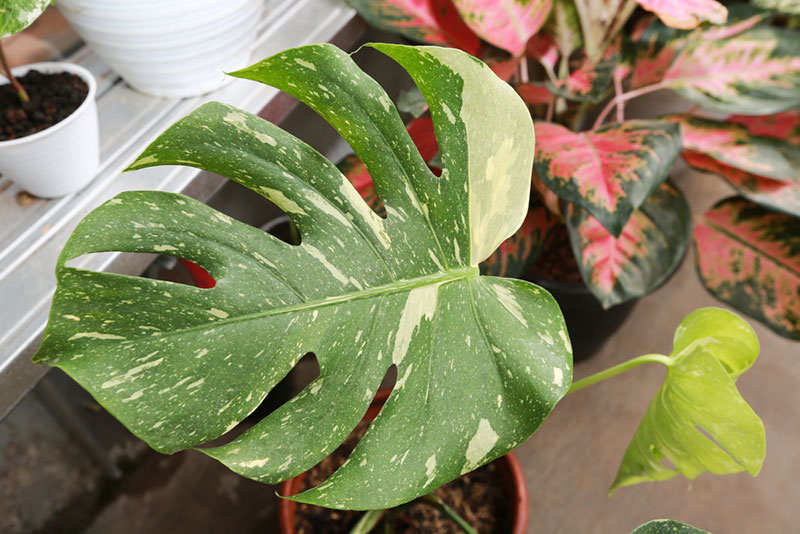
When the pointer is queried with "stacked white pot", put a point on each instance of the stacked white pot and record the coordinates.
(173, 48)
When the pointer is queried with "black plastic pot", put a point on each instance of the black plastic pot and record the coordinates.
(588, 324)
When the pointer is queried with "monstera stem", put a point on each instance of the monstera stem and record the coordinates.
(440, 505)
(21, 93)
(617, 369)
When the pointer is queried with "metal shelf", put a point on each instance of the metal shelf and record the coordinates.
(32, 234)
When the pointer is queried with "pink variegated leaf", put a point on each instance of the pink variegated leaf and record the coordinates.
(757, 72)
(731, 144)
(543, 48)
(589, 83)
(428, 21)
(518, 252)
(657, 46)
(686, 14)
(507, 24)
(646, 252)
(749, 257)
(534, 94)
(784, 125)
(779, 195)
(609, 171)
(548, 197)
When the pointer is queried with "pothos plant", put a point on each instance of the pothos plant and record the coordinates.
(15, 16)
(480, 360)
(606, 176)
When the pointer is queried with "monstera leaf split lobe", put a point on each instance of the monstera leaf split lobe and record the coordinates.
(481, 361)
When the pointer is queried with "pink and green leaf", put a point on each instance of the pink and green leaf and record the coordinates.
(543, 48)
(758, 71)
(686, 14)
(749, 257)
(733, 145)
(589, 83)
(646, 252)
(784, 125)
(518, 252)
(609, 171)
(429, 21)
(507, 24)
(779, 195)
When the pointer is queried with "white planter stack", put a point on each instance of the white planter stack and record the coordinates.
(170, 48)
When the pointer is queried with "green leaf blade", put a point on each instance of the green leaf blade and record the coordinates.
(667, 526)
(183, 365)
(698, 420)
(16, 15)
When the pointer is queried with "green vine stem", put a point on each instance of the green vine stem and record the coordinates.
(368, 522)
(439, 504)
(617, 369)
(21, 93)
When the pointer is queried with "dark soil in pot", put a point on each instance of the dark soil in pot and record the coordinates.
(479, 497)
(589, 325)
(53, 98)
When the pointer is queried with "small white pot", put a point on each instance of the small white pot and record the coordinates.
(172, 48)
(63, 158)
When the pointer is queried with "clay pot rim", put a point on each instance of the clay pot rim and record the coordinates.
(509, 467)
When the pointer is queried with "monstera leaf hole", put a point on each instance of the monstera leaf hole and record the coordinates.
(175, 268)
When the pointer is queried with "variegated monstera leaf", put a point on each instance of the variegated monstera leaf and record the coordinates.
(16, 15)
(480, 361)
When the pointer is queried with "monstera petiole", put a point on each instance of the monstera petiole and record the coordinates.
(481, 361)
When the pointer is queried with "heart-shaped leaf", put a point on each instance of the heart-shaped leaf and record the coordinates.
(749, 257)
(648, 250)
(480, 361)
(16, 15)
(686, 14)
(667, 526)
(507, 25)
(780, 195)
(698, 421)
(732, 145)
(784, 125)
(757, 71)
(609, 171)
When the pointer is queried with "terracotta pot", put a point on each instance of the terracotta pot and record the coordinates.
(508, 467)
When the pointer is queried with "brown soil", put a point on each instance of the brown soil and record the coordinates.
(556, 261)
(53, 98)
(479, 497)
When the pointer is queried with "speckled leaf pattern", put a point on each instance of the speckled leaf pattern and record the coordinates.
(609, 171)
(780, 195)
(667, 526)
(589, 83)
(647, 251)
(732, 145)
(16, 15)
(507, 24)
(481, 361)
(749, 257)
(784, 125)
(517, 253)
(698, 420)
(755, 72)
(686, 14)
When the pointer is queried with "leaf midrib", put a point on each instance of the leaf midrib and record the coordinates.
(452, 275)
(733, 237)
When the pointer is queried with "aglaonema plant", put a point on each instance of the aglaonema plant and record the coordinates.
(577, 64)
(15, 16)
(480, 360)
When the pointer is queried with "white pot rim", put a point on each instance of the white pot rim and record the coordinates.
(49, 67)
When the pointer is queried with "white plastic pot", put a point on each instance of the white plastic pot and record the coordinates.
(173, 48)
(63, 158)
